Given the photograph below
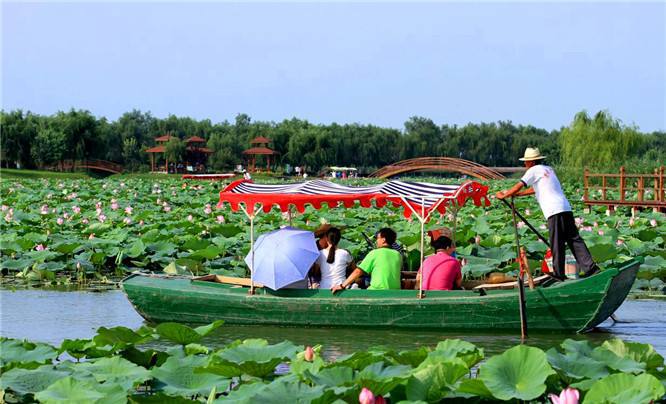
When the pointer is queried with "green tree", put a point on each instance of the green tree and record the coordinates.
(49, 146)
(174, 151)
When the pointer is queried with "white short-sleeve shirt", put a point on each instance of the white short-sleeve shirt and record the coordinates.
(336, 272)
(547, 190)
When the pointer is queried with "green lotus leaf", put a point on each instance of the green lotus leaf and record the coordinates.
(80, 348)
(23, 352)
(70, 390)
(256, 358)
(332, 377)
(647, 235)
(580, 348)
(118, 337)
(242, 395)
(160, 398)
(381, 379)
(178, 333)
(501, 254)
(576, 366)
(24, 381)
(66, 247)
(518, 373)
(208, 253)
(456, 348)
(41, 256)
(282, 391)
(357, 360)
(603, 252)
(136, 249)
(179, 378)
(622, 388)
(433, 381)
(410, 357)
(643, 353)
(194, 244)
(17, 265)
(115, 370)
(622, 364)
(32, 239)
(175, 269)
(474, 388)
(207, 329)
(146, 359)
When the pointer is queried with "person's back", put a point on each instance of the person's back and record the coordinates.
(547, 189)
(333, 261)
(383, 265)
(440, 272)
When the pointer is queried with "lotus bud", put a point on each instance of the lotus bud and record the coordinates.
(619, 242)
(567, 396)
(366, 397)
(653, 222)
(84, 221)
(39, 247)
(380, 400)
(632, 221)
(601, 232)
(309, 354)
(527, 212)
(477, 239)
(520, 225)
(190, 218)
(60, 221)
(4, 207)
(219, 219)
(78, 266)
(91, 236)
(128, 210)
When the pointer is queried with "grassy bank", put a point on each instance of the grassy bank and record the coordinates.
(10, 173)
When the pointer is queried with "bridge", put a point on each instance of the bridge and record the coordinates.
(447, 164)
(92, 164)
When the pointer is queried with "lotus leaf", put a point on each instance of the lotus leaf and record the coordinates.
(281, 391)
(622, 364)
(357, 360)
(624, 388)
(118, 337)
(474, 388)
(433, 381)
(24, 381)
(412, 357)
(17, 264)
(146, 359)
(175, 269)
(332, 377)
(23, 352)
(136, 249)
(160, 398)
(208, 253)
(381, 379)
(179, 377)
(642, 353)
(207, 329)
(70, 390)
(456, 348)
(518, 373)
(581, 348)
(256, 358)
(576, 366)
(603, 252)
(115, 370)
(178, 333)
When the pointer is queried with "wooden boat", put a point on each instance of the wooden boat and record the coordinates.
(575, 305)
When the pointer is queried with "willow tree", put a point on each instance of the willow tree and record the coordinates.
(598, 142)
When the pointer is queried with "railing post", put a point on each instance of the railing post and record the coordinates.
(640, 188)
(603, 186)
(586, 185)
(622, 183)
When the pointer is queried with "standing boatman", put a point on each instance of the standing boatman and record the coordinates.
(557, 210)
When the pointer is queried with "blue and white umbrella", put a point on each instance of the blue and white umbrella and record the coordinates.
(282, 257)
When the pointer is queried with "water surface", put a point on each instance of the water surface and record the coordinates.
(52, 316)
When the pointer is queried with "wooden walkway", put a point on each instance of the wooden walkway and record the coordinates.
(92, 164)
(447, 164)
(633, 190)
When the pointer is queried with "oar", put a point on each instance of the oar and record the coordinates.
(521, 290)
(539, 235)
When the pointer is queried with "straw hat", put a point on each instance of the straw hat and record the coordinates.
(532, 154)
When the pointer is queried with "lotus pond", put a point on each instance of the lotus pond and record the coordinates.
(60, 232)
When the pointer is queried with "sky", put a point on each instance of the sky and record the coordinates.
(373, 63)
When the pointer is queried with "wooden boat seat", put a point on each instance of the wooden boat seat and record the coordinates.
(231, 280)
(509, 285)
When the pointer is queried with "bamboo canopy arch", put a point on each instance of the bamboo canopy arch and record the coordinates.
(449, 164)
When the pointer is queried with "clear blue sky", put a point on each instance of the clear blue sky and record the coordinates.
(371, 63)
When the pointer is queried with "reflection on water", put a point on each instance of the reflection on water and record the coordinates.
(51, 316)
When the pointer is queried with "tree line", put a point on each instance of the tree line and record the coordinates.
(32, 141)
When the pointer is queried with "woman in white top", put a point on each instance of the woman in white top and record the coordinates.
(333, 261)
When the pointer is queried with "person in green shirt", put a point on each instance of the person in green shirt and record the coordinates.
(382, 264)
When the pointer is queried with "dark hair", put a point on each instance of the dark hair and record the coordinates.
(333, 235)
(441, 243)
(388, 234)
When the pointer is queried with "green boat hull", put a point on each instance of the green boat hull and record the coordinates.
(577, 305)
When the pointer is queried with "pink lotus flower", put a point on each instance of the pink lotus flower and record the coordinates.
(60, 221)
(619, 242)
(98, 205)
(114, 206)
(127, 220)
(309, 354)
(39, 247)
(98, 211)
(477, 239)
(219, 219)
(44, 210)
(527, 212)
(167, 208)
(65, 215)
(91, 236)
(128, 210)
(520, 225)
(101, 218)
(632, 221)
(600, 232)
(595, 224)
(579, 221)
(8, 217)
(76, 209)
(84, 221)
(140, 222)
(4, 207)
(567, 396)
(653, 222)
(366, 397)
(190, 218)
(208, 210)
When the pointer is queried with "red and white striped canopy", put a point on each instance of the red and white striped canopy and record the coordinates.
(421, 196)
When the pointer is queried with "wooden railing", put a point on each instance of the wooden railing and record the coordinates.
(95, 164)
(645, 190)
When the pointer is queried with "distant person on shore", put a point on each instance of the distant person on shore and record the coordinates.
(333, 261)
(382, 264)
(441, 271)
(557, 210)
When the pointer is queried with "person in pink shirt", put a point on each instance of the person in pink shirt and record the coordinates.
(441, 271)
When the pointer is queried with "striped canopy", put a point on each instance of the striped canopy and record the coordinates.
(419, 197)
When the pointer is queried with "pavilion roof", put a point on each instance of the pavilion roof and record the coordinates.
(164, 138)
(259, 150)
(156, 149)
(259, 140)
(195, 139)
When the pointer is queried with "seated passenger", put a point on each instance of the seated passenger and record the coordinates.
(383, 264)
(333, 261)
(441, 271)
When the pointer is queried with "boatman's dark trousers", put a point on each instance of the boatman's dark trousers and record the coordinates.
(563, 230)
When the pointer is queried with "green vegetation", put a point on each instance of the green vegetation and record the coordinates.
(10, 173)
(120, 365)
(62, 231)
(31, 140)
